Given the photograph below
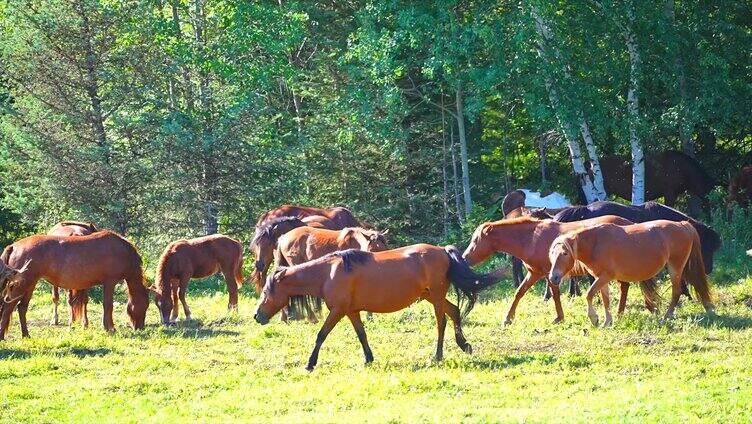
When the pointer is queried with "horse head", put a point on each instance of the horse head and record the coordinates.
(562, 255)
(12, 281)
(273, 297)
(480, 246)
(371, 240)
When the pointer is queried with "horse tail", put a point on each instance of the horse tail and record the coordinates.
(237, 264)
(466, 281)
(650, 292)
(694, 270)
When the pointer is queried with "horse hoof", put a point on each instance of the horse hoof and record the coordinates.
(594, 319)
(468, 348)
(607, 323)
(309, 368)
(558, 320)
(507, 322)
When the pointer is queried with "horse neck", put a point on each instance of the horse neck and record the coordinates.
(306, 282)
(513, 238)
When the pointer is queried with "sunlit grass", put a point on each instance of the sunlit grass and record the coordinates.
(223, 367)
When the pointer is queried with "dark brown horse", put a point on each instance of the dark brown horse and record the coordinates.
(667, 175)
(318, 221)
(352, 281)
(740, 188)
(196, 258)
(77, 263)
(77, 299)
(265, 241)
(341, 217)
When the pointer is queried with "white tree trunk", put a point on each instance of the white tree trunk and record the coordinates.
(463, 152)
(633, 109)
(595, 164)
(570, 134)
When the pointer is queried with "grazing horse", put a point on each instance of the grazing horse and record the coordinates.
(196, 258)
(265, 241)
(633, 253)
(710, 241)
(77, 299)
(740, 188)
(352, 281)
(529, 239)
(667, 175)
(78, 263)
(306, 243)
(341, 217)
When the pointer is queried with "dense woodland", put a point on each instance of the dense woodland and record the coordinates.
(165, 119)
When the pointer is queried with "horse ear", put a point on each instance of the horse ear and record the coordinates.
(385, 232)
(24, 267)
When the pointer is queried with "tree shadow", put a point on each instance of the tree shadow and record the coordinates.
(14, 354)
(86, 352)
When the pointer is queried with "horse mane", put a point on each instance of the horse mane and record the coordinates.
(525, 219)
(266, 230)
(350, 257)
(572, 213)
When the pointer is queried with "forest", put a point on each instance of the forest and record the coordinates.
(164, 119)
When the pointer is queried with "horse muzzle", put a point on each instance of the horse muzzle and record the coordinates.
(555, 278)
(261, 318)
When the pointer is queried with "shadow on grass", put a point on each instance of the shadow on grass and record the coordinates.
(85, 352)
(725, 321)
(14, 354)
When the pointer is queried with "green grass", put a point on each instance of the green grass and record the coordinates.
(223, 367)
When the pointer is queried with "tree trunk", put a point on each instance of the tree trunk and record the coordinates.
(444, 179)
(595, 163)
(633, 108)
(455, 181)
(463, 151)
(570, 133)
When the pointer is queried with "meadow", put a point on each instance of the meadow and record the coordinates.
(222, 367)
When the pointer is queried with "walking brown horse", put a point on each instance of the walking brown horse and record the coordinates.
(352, 281)
(306, 243)
(530, 239)
(342, 217)
(633, 253)
(265, 241)
(196, 258)
(539, 213)
(77, 299)
(78, 263)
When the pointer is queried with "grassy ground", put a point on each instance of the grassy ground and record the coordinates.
(222, 368)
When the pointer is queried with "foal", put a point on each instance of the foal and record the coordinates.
(633, 253)
(352, 281)
(196, 258)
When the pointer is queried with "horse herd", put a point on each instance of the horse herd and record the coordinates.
(329, 255)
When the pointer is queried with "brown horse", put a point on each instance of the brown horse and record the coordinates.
(667, 175)
(529, 239)
(318, 221)
(520, 211)
(352, 281)
(740, 188)
(77, 299)
(306, 243)
(265, 241)
(341, 217)
(76, 263)
(196, 258)
(633, 253)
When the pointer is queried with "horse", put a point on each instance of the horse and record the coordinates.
(342, 217)
(633, 253)
(740, 188)
(531, 199)
(196, 258)
(307, 243)
(667, 175)
(529, 239)
(539, 213)
(352, 281)
(77, 299)
(265, 241)
(78, 263)
(318, 221)
(710, 241)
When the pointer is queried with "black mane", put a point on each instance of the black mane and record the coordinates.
(266, 230)
(351, 257)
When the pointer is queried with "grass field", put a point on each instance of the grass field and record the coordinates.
(222, 367)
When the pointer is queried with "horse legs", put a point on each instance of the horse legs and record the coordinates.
(606, 306)
(454, 313)
(624, 289)
(517, 271)
(55, 302)
(530, 279)
(108, 292)
(556, 293)
(596, 287)
(331, 320)
(182, 290)
(232, 288)
(676, 290)
(7, 309)
(361, 332)
(438, 308)
(174, 288)
(23, 306)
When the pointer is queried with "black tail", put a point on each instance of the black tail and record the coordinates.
(467, 282)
